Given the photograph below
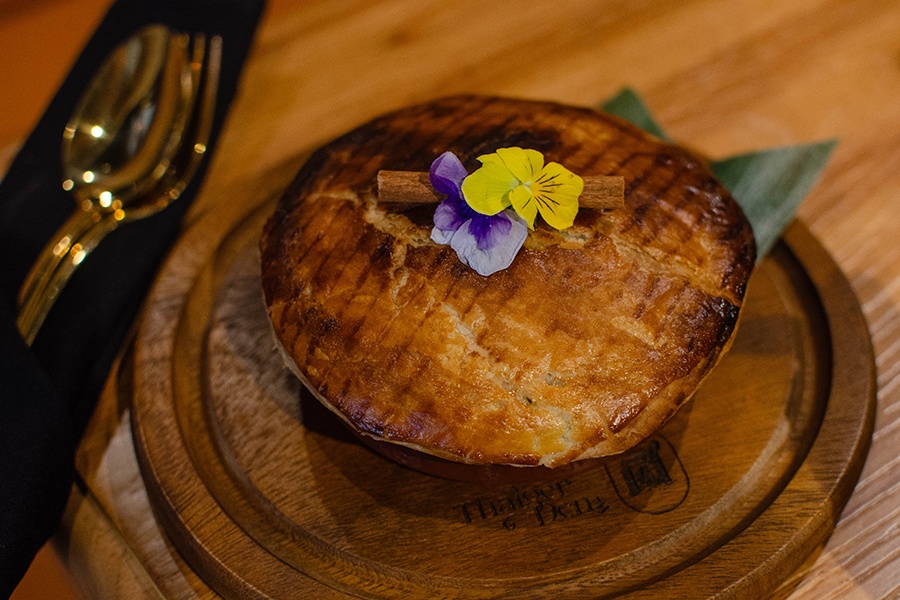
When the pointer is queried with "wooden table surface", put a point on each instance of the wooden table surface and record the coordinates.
(720, 77)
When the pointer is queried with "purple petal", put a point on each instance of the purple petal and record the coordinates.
(487, 243)
(499, 256)
(447, 174)
(452, 213)
(489, 230)
(442, 236)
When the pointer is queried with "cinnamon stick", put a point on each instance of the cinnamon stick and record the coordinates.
(414, 187)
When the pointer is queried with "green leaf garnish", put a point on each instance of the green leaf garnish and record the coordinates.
(629, 106)
(768, 184)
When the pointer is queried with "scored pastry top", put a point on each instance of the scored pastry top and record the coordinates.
(586, 344)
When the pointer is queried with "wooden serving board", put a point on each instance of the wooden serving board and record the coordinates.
(266, 495)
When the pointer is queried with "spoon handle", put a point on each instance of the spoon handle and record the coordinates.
(35, 288)
(33, 314)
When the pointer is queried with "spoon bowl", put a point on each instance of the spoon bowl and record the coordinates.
(112, 123)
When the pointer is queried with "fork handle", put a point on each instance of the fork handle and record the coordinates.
(36, 295)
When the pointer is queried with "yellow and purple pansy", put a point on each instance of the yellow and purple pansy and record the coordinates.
(485, 216)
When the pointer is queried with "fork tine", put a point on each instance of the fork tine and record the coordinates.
(209, 65)
(205, 110)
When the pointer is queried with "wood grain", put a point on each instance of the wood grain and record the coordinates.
(757, 74)
(268, 494)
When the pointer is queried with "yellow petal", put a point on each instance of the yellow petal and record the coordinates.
(494, 159)
(487, 189)
(555, 191)
(523, 164)
(524, 204)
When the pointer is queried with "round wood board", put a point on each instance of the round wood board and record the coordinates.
(266, 495)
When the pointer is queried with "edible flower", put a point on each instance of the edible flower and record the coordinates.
(487, 243)
(519, 178)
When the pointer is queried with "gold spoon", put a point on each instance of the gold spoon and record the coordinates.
(115, 136)
(177, 135)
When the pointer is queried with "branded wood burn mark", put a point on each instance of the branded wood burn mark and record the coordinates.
(649, 479)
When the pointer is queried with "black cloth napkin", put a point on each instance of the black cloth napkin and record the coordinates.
(48, 391)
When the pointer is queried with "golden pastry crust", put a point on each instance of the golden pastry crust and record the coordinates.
(584, 346)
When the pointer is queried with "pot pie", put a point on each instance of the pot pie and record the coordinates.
(585, 345)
